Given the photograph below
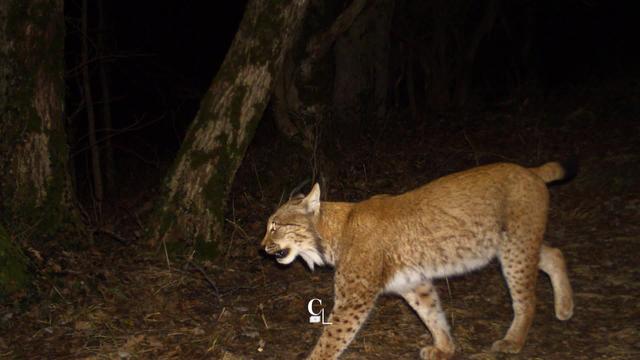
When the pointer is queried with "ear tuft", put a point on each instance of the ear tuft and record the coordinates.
(311, 202)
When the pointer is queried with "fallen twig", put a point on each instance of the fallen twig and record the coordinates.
(117, 237)
(206, 277)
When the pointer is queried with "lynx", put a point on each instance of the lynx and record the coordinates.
(399, 244)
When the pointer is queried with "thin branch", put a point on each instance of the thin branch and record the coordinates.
(320, 44)
(155, 163)
(113, 133)
(103, 58)
(119, 238)
(207, 278)
(239, 228)
(95, 155)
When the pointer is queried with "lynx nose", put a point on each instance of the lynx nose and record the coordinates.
(271, 248)
(265, 241)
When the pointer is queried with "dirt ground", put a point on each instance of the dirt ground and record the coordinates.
(123, 301)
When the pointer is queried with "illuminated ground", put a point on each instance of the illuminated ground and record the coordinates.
(120, 301)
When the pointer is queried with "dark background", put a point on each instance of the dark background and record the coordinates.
(162, 57)
(117, 298)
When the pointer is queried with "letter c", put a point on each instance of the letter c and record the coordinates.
(310, 306)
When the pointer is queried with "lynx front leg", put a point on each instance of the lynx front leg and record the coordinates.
(425, 302)
(349, 313)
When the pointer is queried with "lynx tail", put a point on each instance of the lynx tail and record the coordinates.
(557, 173)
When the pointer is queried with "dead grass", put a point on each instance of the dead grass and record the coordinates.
(124, 302)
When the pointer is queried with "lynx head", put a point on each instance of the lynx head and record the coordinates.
(291, 231)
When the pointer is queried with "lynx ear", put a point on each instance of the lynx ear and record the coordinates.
(311, 202)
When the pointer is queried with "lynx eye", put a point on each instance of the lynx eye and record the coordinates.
(273, 226)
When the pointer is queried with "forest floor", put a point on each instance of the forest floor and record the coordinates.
(124, 301)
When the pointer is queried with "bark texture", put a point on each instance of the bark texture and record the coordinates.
(35, 189)
(13, 265)
(304, 87)
(192, 205)
(362, 62)
(336, 84)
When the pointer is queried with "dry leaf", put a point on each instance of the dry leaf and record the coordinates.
(82, 325)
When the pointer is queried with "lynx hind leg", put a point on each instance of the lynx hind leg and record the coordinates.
(520, 268)
(553, 264)
(425, 302)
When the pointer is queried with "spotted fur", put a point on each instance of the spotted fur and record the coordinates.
(399, 244)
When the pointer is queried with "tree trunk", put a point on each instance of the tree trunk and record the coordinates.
(528, 55)
(192, 204)
(109, 166)
(362, 61)
(35, 188)
(303, 89)
(468, 56)
(96, 168)
(13, 265)
(438, 61)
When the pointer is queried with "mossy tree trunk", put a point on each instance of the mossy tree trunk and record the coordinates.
(192, 204)
(35, 188)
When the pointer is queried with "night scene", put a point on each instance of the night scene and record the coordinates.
(319, 179)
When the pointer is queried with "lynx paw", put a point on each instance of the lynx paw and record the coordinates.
(506, 346)
(564, 310)
(433, 353)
